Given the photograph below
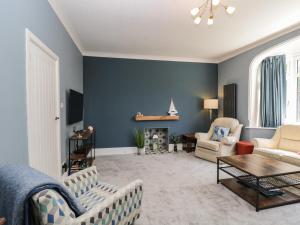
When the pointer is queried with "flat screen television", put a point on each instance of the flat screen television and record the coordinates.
(75, 107)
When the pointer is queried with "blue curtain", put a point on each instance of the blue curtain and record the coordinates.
(273, 91)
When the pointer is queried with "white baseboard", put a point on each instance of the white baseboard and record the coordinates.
(116, 151)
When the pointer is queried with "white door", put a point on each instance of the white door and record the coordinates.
(43, 108)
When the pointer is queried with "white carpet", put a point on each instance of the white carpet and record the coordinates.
(180, 189)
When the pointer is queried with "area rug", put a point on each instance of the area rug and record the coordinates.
(180, 189)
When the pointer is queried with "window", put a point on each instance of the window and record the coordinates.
(290, 48)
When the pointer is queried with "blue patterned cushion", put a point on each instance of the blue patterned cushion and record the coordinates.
(219, 133)
(97, 194)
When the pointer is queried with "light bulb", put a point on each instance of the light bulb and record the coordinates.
(197, 20)
(215, 2)
(230, 9)
(195, 11)
(210, 21)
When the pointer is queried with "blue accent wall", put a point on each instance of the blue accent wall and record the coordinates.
(39, 18)
(236, 70)
(116, 89)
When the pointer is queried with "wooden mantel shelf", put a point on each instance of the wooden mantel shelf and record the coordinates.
(156, 118)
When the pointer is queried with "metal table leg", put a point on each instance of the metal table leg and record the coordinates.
(218, 167)
(257, 195)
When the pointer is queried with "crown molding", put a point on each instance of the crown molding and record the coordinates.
(259, 42)
(74, 36)
(146, 57)
(66, 24)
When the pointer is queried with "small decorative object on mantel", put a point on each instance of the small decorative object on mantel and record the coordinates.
(172, 109)
(139, 114)
(90, 128)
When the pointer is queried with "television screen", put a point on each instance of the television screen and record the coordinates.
(75, 109)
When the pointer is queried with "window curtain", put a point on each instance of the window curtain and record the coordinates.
(273, 91)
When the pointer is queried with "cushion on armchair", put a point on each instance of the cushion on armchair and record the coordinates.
(229, 140)
(219, 133)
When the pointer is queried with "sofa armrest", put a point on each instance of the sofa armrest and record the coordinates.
(124, 206)
(263, 143)
(229, 140)
(202, 136)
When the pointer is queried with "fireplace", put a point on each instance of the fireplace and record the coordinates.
(156, 140)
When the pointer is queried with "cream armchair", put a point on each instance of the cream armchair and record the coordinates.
(284, 146)
(209, 150)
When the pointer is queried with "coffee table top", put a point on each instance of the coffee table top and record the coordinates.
(260, 166)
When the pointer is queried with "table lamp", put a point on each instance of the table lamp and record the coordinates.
(211, 104)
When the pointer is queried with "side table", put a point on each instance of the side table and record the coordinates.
(189, 142)
(244, 147)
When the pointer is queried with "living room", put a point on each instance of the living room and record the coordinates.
(150, 112)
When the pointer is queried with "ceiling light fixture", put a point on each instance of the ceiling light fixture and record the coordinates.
(211, 6)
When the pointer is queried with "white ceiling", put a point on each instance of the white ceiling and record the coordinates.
(164, 29)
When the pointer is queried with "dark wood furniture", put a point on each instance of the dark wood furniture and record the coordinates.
(2, 221)
(230, 97)
(261, 181)
(189, 142)
(82, 147)
(244, 147)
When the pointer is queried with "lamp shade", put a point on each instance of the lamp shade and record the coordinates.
(211, 104)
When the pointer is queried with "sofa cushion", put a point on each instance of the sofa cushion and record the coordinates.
(292, 158)
(289, 144)
(270, 152)
(211, 145)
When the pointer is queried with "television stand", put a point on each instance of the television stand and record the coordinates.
(82, 152)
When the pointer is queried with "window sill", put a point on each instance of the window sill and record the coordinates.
(262, 128)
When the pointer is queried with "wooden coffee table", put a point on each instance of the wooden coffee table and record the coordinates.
(259, 180)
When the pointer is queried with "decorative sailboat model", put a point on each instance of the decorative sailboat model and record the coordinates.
(172, 109)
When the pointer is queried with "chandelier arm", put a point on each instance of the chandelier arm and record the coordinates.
(211, 9)
(204, 5)
(224, 6)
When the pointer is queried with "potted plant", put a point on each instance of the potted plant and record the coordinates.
(139, 141)
(175, 141)
(179, 145)
(171, 144)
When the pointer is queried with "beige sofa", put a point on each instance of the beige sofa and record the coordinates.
(285, 145)
(209, 150)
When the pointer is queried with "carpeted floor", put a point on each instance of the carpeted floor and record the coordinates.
(180, 189)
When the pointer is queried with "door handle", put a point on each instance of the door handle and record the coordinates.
(56, 118)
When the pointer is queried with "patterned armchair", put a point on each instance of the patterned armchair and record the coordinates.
(106, 204)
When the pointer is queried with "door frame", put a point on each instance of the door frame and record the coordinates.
(32, 39)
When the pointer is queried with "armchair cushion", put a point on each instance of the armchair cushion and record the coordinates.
(211, 145)
(219, 133)
(51, 208)
(229, 140)
(97, 194)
